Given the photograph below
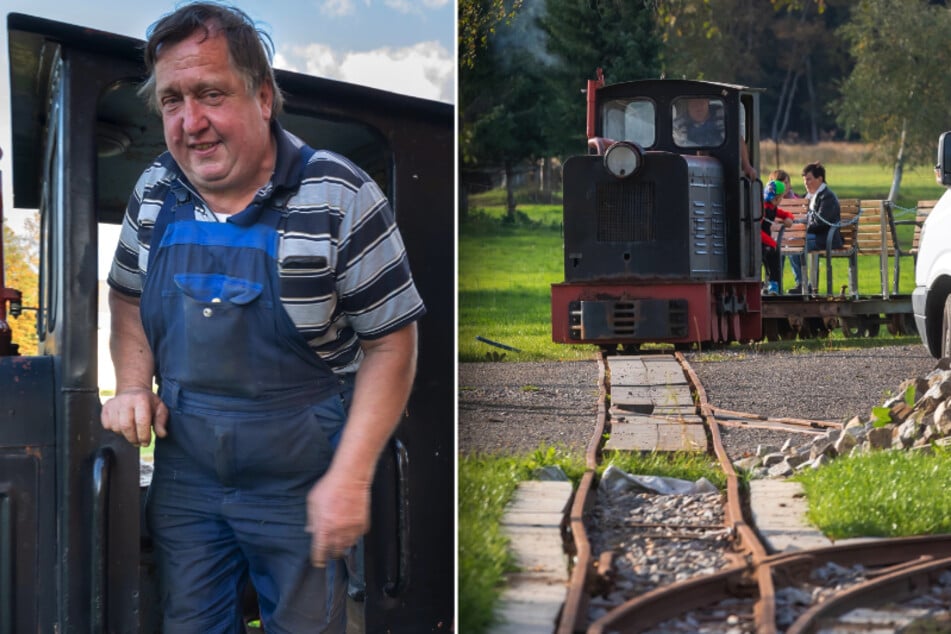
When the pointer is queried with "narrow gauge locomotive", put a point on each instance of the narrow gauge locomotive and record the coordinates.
(662, 228)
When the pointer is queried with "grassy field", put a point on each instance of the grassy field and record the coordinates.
(881, 494)
(506, 268)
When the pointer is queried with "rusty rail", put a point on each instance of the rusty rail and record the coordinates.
(576, 600)
(897, 567)
(573, 617)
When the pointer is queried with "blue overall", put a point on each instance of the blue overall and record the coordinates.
(254, 416)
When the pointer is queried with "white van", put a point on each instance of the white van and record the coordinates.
(931, 299)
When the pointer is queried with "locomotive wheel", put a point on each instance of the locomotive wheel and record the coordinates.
(902, 324)
(871, 325)
(805, 329)
(852, 327)
(819, 328)
(894, 325)
(786, 331)
(946, 329)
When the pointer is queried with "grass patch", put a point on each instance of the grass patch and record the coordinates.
(506, 273)
(486, 485)
(881, 494)
(681, 465)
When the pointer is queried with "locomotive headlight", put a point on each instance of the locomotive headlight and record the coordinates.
(623, 159)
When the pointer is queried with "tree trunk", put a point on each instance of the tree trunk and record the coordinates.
(546, 180)
(899, 164)
(509, 192)
(780, 105)
(790, 99)
(810, 86)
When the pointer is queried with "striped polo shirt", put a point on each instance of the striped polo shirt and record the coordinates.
(343, 269)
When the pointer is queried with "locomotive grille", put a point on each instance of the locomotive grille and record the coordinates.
(625, 211)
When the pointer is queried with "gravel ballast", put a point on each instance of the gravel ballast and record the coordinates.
(516, 407)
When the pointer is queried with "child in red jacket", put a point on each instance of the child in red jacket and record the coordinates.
(771, 213)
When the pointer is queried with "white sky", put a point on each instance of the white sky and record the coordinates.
(404, 46)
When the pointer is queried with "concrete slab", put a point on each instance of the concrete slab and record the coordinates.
(628, 371)
(664, 371)
(646, 399)
(672, 395)
(673, 416)
(534, 595)
(636, 398)
(649, 434)
(779, 511)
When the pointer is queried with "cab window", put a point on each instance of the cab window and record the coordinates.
(629, 120)
(698, 122)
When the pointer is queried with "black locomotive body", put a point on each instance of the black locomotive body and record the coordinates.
(662, 229)
(74, 556)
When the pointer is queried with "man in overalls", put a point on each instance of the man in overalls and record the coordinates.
(265, 286)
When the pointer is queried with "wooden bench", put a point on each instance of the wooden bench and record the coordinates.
(924, 208)
(877, 236)
(792, 241)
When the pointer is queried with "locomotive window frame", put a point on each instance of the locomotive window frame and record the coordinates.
(51, 198)
(715, 116)
(630, 119)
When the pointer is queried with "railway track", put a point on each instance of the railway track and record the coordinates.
(693, 563)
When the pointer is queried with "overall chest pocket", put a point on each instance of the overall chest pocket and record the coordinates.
(221, 316)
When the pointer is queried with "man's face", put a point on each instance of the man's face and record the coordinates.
(811, 182)
(217, 132)
(698, 109)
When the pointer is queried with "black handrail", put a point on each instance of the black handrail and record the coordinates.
(398, 579)
(99, 548)
(7, 537)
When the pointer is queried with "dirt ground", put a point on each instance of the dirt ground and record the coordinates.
(515, 407)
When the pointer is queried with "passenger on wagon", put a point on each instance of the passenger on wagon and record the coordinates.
(783, 177)
(824, 215)
(771, 214)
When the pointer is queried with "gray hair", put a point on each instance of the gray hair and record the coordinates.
(250, 49)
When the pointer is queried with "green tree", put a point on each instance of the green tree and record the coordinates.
(903, 117)
(501, 105)
(786, 47)
(20, 267)
(619, 37)
(478, 20)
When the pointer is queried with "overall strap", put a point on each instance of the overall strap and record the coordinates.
(176, 197)
(276, 212)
